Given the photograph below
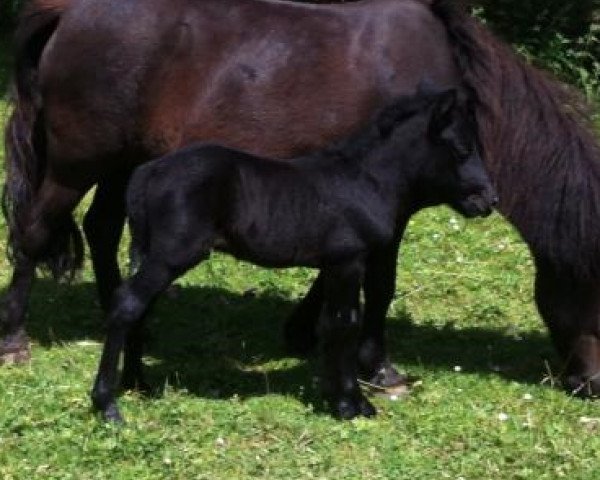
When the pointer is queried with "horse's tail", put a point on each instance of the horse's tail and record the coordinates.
(137, 214)
(25, 141)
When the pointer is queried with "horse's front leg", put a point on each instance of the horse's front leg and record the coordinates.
(299, 331)
(570, 308)
(339, 330)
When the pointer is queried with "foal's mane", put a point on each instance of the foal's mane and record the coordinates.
(382, 123)
(539, 145)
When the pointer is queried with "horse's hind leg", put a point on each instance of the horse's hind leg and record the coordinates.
(14, 347)
(103, 227)
(570, 308)
(53, 203)
(300, 328)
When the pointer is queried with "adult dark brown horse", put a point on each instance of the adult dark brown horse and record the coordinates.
(103, 85)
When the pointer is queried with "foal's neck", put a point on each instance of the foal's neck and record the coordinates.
(393, 161)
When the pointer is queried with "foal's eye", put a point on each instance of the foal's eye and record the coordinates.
(462, 152)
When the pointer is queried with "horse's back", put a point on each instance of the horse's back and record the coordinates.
(277, 78)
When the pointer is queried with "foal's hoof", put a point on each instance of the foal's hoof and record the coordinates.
(112, 415)
(354, 406)
(15, 352)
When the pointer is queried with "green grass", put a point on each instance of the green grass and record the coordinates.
(230, 404)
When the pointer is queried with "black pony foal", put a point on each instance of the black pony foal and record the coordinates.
(327, 210)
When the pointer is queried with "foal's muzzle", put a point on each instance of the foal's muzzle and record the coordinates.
(478, 204)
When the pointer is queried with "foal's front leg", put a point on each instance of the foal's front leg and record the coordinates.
(339, 330)
(379, 287)
(130, 303)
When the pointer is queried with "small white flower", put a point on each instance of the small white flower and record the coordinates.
(220, 442)
(457, 368)
(503, 417)
(393, 398)
(528, 397)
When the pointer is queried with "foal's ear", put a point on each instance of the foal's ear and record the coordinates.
(441, 115)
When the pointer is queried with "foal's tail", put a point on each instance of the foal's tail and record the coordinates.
(137, 214)
(25, 141)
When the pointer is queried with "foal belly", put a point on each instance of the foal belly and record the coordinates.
(275, 250)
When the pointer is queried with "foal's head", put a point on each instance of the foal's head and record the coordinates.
(449, 169)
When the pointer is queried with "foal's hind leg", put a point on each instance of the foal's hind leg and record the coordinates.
(52, 204)
(103, 226)
(129, 304)
(570, 308)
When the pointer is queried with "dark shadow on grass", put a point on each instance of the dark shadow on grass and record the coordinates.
(215, 343)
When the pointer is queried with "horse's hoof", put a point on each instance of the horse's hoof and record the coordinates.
(388, 377)
(583, 386)
(15, 353)
(136, 384)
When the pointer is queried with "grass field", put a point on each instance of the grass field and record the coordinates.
(229, 403)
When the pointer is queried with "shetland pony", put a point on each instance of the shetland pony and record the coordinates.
(326, 210)
(104, 85)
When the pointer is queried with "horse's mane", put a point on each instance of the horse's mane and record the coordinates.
(539, 145)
